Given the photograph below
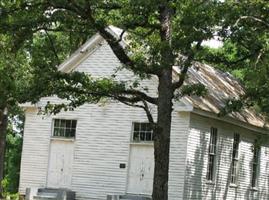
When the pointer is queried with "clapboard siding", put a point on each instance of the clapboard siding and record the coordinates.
(102, 143)
(103, 63)
(102, 139)
(34, 161)
(196, 185)
(178, 153)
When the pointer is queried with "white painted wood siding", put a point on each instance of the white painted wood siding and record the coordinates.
(102, 143)
(102, 140)
(35, 152)
(196, 185)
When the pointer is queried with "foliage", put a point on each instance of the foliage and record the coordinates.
(245, 51)
(13, 73)
(13, 157)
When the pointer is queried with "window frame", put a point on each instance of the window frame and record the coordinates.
(141, 141)
(64, 136)
(235, 159)
(256, 162)
(212, 155)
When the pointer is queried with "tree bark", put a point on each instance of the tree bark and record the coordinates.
(164, 116)
(162, 137)
(3, 132)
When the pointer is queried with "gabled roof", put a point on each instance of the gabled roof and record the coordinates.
(85, 50)
(220, 85)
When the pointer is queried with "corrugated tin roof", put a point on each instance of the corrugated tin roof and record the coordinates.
(221, 86)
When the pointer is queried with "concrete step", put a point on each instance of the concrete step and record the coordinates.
(49, 194)
(135, 197)
(44, 198)
(46, 195)
(128, 197)
(48, 190)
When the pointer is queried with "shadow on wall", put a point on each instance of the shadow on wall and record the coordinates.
(193, 179)
(265, 185)
(196, 186)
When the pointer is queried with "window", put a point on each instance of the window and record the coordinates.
(235, 158)
(64, 128)
(255, 165)
(142, 132)
(212, 154)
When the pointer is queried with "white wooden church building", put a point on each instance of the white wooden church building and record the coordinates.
(97, 150)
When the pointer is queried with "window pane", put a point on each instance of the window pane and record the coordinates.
(56, 132)
(142, 136)
(254, 175)
(148, 136)
(143, 126)
(211, 153)
(61, 132)
(74, 124)
(255, 164)
(136, 136)
(136, 127)
(234, 171)
(210, 167)
(142, 132)
(64, 128)
(68, 132)
(62, 124)
(56, 123)
(148, 128)
(73, 133)
(68, 123)
(235, 158)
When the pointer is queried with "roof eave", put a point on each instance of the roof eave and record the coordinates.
(231, 120)
(72, 61)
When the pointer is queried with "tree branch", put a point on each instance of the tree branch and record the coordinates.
(185, 68)
(53, 48)
(252, 18)
(147, 110)
(143, 96)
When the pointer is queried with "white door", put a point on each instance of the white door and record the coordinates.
(60, 164)
(141, 169)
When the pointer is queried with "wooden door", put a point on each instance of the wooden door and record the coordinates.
(60, 164)
(141, 169)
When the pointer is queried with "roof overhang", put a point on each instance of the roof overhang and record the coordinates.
(230, 120)
(79, 55)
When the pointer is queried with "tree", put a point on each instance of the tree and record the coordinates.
(17, 73)
(161, 34)
(245, 52)
(12, 84)
(13, 154)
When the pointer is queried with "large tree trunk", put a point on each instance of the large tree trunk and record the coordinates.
(3, 132)
(162, 137)
(163, 128)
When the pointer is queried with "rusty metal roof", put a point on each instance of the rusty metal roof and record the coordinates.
(220, 87)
